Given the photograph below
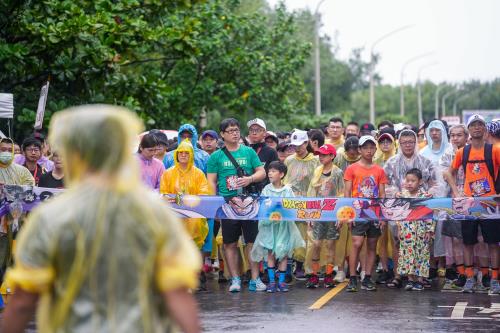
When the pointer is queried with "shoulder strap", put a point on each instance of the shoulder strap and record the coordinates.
(465, 158)
(488, 157)
(239, 170)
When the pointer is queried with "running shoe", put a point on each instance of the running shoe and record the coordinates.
(469, 285)
(222, 278)
(256, 285)
(448, 285)
(271, 287)
(235, 286)
(367, 284)
(459, 283)
(300, 274)
(486, 280)
(340, 277)
(353, 284)
(494, 287)
(451, 274)
(312, 282)
(417, 286)
(283, 287)
(328, 281)
(409, 286)
(479, 287)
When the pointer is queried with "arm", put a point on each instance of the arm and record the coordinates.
(450, 176)
(212, 182)
(183, 309)
(347, 188)
(19, 311)
(259, 175)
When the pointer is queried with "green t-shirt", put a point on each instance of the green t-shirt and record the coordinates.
(218, 163)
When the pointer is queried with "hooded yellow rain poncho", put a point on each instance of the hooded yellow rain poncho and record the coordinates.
(188, 180)
(101, 254)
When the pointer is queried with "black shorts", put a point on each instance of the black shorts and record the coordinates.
(452, 228)
(232, 230)
(490, 229)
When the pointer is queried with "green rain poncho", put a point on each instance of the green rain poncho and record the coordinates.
(101, 254)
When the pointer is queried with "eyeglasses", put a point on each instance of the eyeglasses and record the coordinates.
(233, 131)
(407, 143)
(33, 150)
(256, 130)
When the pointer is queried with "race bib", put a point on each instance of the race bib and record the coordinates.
(231, 183)
(479, 187)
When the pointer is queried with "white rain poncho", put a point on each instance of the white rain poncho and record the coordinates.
(101, 253)
(435, 154)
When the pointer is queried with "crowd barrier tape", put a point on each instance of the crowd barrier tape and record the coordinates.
(16, 200)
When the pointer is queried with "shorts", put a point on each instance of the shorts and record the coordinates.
(233, 229)
(490, 229)
(370, 229)
(325, 230)
(452, 228)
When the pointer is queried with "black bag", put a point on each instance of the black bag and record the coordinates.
(250, 189)
(488, 159)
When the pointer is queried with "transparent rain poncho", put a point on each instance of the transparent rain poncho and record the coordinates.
(101, 254)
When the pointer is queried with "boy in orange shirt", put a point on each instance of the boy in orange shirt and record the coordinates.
(364, 179)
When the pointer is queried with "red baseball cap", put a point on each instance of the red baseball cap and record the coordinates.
(326, 149)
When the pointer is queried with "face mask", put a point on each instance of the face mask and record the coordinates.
(6, 157)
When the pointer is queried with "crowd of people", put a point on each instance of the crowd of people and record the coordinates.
(337, 160)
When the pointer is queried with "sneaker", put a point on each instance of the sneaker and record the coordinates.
(448, 285)
(383, 277)
(235, 286)
(459, 283)
(417, 286)
(328, 281)
(353, 284)
(469, 285)
(313, 281)
(486, 280)
(288, 278)
(494, 287)
(271, 287)
(409, 286)
(256, 285)
(367, 284)
(340, 277)
(222, 278)
(283, 287)
(300, 274)
(451, 274)
(479, 287)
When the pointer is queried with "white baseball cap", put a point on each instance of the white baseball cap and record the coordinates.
(365, 138)
(298, 138)
(474, 118)
(257, 121)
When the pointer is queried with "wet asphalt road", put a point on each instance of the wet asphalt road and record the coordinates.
(384, 310)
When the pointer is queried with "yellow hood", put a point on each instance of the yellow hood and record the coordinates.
(185, 146)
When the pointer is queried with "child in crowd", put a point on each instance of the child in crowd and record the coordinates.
(276, 239)
(328, 181)
(364, 179)
(415, 237)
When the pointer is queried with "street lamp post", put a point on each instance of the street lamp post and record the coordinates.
(443, 100)
(419, 92)
(436, 102)
(401, 88)
(372, 69)
(317, 70)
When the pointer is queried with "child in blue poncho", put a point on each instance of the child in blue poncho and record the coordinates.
(276, 239)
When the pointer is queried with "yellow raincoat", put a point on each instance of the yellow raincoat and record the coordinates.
(102, 253)
(191, 180)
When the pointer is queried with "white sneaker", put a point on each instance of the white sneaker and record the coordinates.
(340, 277)
(235, 286)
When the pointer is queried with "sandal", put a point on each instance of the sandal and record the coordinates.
(396, 283)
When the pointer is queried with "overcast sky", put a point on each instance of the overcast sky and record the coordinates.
(463, 34)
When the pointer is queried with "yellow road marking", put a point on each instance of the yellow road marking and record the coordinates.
(328, 296)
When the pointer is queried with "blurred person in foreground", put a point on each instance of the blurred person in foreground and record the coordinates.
(118, 260)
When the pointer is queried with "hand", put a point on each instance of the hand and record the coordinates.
(244, 181)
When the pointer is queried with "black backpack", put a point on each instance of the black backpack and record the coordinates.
(488, 159)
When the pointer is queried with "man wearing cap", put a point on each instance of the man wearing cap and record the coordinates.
(367, 129)
(335, 132)
(478, 182)
(257, 135)
(493, 136)
(209, 140)
(301, 166)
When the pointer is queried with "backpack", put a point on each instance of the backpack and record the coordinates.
(488, 159)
